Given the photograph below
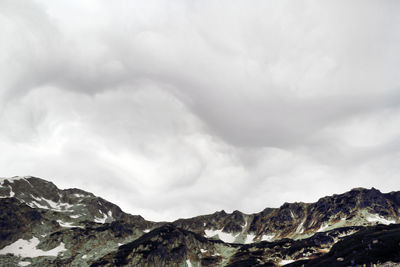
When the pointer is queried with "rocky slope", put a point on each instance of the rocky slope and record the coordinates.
(71, 205)
(72, 224)
(375, 245)
(359, 207)
(41, 225)
(173, 246)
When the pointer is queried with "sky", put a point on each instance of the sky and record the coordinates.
(174, 109)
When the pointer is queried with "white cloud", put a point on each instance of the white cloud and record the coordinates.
(179, 108)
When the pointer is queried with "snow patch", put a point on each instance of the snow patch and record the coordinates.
(226, 237)
(84, 256)
(101, 220)
(75, 216)
(27, 248)
(66, 224)
(377, 218)
(189, 264)
(249, 238)
(203, 250)
(12, 194)
(24, 263)
(146, 230)
(78, 195)
(269, 237)
(300, 228)
(56, 206)
(35, 204)
(245, 225)
(284, 262)
(291, 214)
(11, 179)
(323, 227)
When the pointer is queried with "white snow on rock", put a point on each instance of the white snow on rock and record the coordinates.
(226, 237)
(267, 237)
(300, 228)
(189, 264)
(292, 214)
(35, 204)
(146, 230)
(11, 179)
(244, 226)
(84, 256)
(323, 227)
(51, 205)
(203, 250)
(24, 263)
(377, 218)
(58, 206)
(75, 216)
(66, 224)
(11, 193)
(249, 238)
(101, 220)
(284, 262)
(106, 217)
(27, 248)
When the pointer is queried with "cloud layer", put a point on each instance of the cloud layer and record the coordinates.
(174, 109)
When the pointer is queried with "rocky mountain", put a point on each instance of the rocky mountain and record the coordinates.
(41, 225)
(41, 219)
(359, 207)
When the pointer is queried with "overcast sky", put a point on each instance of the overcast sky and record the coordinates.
(179, 108)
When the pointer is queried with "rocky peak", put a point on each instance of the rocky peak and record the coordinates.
(72, 206)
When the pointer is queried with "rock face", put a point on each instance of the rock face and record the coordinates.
(41, 225)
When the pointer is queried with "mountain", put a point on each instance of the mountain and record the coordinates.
(42, 225)
(359, 207)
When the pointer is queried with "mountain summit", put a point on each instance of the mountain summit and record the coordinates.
(42, 225)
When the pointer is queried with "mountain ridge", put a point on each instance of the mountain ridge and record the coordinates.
(73, 227)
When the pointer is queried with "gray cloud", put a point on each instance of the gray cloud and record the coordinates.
(179, 108)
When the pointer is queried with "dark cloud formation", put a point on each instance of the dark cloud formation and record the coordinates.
(173, 109)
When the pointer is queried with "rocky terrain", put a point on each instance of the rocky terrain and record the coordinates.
(41, 225)
(359, 207)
